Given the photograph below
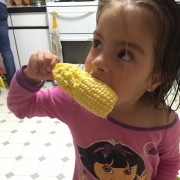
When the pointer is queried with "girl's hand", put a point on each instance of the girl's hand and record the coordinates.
(40, 67)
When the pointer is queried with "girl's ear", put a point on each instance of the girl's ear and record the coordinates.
(155, 82)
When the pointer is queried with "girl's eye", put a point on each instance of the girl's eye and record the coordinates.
(128, 171)
(107, 169)
(96, 43)
(125, 55)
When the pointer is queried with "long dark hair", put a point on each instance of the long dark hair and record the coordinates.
(166, 48)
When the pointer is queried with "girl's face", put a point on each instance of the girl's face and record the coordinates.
(106, 172)
(122, 52)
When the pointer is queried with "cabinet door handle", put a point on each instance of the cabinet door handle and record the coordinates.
(75, 37)
(73, 11)
(73, 15)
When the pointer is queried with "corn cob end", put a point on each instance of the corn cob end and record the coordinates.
(91, 93)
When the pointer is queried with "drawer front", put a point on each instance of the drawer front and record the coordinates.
(72, 20)
(29, 19)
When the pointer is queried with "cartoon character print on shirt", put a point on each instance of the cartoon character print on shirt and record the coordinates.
(150, 149)
(107, 160)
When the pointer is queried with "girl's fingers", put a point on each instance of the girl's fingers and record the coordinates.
(41, 61)
(33, 64)
(54, 61)
(42, 64)
(44, 59)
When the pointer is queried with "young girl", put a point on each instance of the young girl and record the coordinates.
(136, 51)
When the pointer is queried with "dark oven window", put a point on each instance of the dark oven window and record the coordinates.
(75, 51)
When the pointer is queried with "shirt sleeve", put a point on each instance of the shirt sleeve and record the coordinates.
(170, 154)
(27, 100)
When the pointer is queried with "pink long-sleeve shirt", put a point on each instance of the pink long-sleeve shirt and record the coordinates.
(104, 148)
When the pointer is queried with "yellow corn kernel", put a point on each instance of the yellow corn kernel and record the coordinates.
(91, 93)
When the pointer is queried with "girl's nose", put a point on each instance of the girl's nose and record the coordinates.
(101, 63)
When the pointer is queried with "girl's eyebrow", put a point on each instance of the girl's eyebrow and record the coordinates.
(96, 33)
(131, 45)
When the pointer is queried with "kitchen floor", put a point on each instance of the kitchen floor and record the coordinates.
(34, 149)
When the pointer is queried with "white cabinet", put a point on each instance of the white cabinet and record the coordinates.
(72, 20)
(76, 20)
(29, 19)
(29, 41)
(28, 33)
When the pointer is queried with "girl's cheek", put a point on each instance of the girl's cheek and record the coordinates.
(88, 65)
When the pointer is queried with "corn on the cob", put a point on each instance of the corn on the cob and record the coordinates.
(89, 92)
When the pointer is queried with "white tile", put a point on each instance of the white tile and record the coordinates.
(71, 153)
(33, 151)
(4, 108)
(50, 167)
(61, 138)
(4, 136)
(4, 91)
(3, 177)
(1, 146)
(8, 126)
(68, 169)
(33, 119)
(26, 126)
(62, 128)
(20, 137)
(13, 118)
(3, 100)
(68, 178)
(40, 138)
(12, 150)
(6, 165)
(50, 120)
(45, 127)
(47, 178)
(178, 112)
(21, 178)
(26, 167)
(56, 151)
(3, 115)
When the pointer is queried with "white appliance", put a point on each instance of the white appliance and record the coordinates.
(76, 23)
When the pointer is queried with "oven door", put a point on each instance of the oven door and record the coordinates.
(75, 48)
(75, 51)
(76, 23)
